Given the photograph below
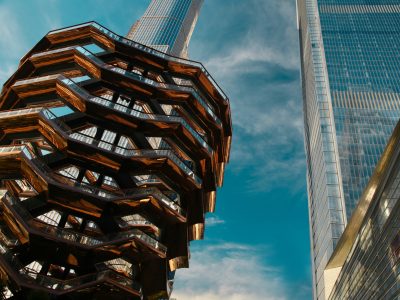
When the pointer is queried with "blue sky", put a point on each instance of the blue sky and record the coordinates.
(257, 244)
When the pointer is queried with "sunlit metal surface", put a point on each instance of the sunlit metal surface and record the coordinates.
(111, 154)
(370, 244)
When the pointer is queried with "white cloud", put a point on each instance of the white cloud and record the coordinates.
(6, 71)
(213, 221)
(15, 35)
(11, 41)
(244, 58)
(270, 36)
(51, 16)
(258, 66)
(230, 272)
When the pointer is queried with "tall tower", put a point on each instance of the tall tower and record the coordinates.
(350, 62)
(167, 25)
(111, 153)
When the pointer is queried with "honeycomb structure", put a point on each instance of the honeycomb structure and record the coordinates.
(110, 156)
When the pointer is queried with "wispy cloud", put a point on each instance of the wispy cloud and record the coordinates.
(11, 41)
(230, 272)
(51, 15)
(259, 69)
(6, 70)
(213, 220)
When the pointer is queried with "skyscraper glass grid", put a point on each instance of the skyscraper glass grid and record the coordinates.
(167, 25)
(350, 53)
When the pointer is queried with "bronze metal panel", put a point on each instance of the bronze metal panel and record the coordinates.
(86, 201)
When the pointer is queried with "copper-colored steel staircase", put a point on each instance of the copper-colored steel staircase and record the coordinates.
(110, 156)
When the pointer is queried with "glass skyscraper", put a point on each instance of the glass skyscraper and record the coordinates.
(350, 59)
(167, 25)
(368, 253)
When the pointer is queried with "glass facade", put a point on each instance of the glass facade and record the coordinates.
(350, 55)
(372, 270)
(167, 25)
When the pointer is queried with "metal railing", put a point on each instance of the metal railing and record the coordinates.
(189, 89)
(132, 220)
(120, 265)
(192, 90)
(144, 181)
(76, 237)
(31, 277)
(136, 113)
(116, 106)
(12, 148)
(37, 79)
(18, 112)
(91, 190)
(130, 193)
(105, 194)
(147, 49)
(115, 149)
